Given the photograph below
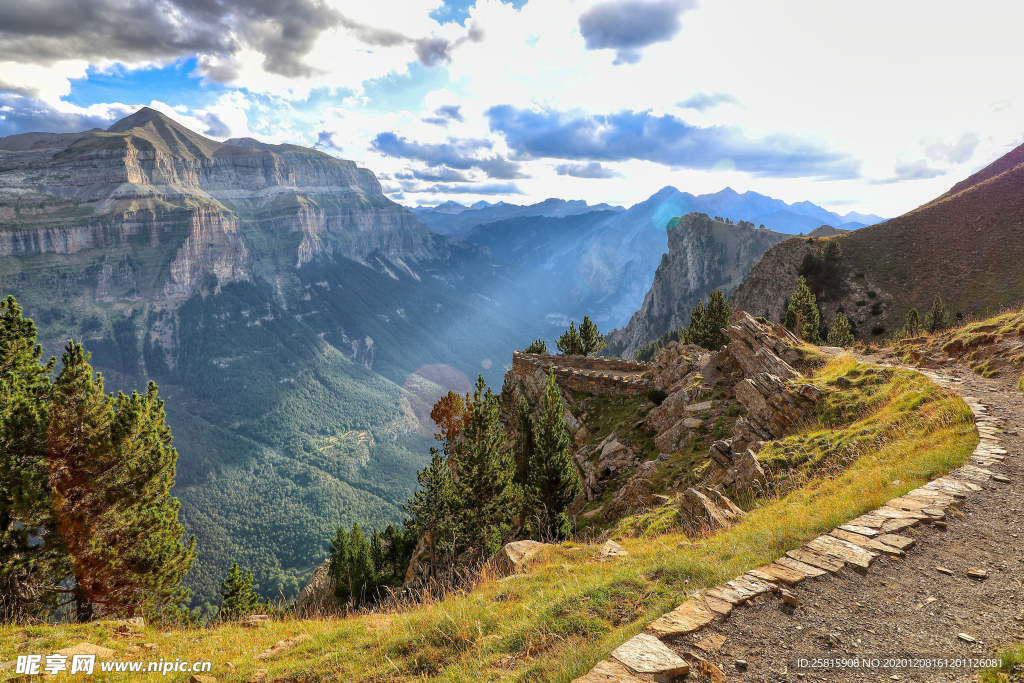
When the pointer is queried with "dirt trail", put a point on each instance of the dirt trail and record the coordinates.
(905, 607)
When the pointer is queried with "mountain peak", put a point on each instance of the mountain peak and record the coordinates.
(139, 119)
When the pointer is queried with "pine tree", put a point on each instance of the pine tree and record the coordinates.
(352, 567)
(435, 507)
(26, 509)
(570, 343)
(485, 467)
(553, 480)
(936, 321)
(706, 322)
(111, 470)
(840, 334)
(912, 326)
(238, 599)
(802, 317)
(538, 346)
(591, 340)
(524, 440)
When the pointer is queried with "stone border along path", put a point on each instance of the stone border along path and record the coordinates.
(665, 650)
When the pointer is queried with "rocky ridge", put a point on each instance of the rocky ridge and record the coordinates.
(146, 176)
(703, 255)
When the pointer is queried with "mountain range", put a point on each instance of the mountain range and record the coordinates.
(299, 323)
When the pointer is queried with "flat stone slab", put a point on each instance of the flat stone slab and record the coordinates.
(894, 526)
(807, 556)
(687, 618)
(809, 571)
(786, 575)
(763, 577)
(868, 543)
(721, 607)
(724, 592)
(862, 530)
(608, 672)
(648, 656)
(843, 550)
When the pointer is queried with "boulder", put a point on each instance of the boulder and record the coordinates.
(318, 595)
(419, 565)
(612, 549)
(633, 493)
(514, 556)
(707, 511)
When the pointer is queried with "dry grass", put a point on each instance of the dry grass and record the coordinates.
(571, 609)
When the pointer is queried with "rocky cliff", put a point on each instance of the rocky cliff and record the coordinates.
(963, 246)
(148, 177)
(703, 255)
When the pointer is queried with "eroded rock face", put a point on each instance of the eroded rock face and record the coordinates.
(318, 595)
(636, 494)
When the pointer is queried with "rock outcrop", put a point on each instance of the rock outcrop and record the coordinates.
(705, 511)
(318, 595)
(703, 255)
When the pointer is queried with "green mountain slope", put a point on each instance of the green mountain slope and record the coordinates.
(299, 323)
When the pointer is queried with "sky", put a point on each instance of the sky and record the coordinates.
(874, 107)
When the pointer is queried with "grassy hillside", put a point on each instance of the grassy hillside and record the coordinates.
(963, 246)
(571, 609)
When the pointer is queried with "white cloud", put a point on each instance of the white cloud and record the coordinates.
(897, 94)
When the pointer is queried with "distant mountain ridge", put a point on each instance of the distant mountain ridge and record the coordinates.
(603, 262)
(452, 217)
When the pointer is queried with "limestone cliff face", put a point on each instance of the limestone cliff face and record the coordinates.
(148, 177)
(703, 255)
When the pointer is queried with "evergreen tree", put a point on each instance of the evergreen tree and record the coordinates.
(524, 440)
(840, 334)
(485, 467)
(553, 479)
(912, 327)
(26, 508)
(352, 567)
(591, 340)
(435, 507)
(538, 346)
(706, 323)
(802, 317)
(570, 343)
(936, 321)
(111, 470)
(238, 599)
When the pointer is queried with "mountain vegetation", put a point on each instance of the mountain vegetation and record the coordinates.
(704, 329)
